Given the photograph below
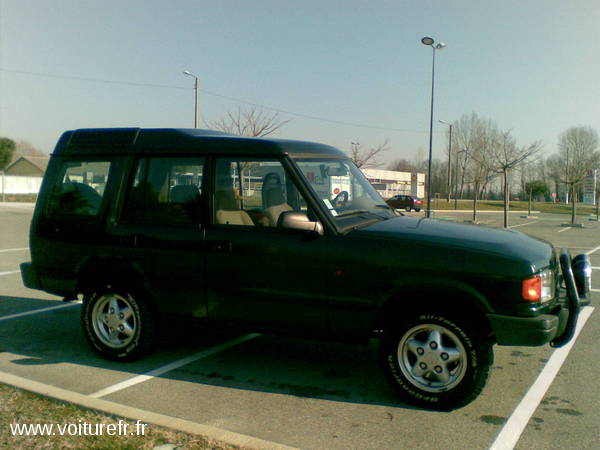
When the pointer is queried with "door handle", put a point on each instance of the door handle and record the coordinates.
(129, 240)
(224, 247)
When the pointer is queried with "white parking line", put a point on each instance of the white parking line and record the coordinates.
(564, 229)
(172, 366)
(523, 224)
(10, 273)
(37, 311)
(594, 250)
(513, 428)
(5, 250)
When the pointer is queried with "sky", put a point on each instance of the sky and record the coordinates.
(339, 71)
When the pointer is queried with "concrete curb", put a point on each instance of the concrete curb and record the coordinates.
(129, 412)
(25, 205)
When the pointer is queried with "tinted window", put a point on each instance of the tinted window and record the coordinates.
(80, 188)
(166, 190)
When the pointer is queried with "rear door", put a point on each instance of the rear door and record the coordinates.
(160, 231)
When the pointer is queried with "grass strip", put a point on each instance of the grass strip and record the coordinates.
(21, 407)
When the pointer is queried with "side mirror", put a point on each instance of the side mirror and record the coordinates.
(299, 221)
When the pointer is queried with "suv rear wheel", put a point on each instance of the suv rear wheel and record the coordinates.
(116, 324)
(437, 361)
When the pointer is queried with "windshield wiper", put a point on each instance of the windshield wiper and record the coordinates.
(353, 212)
(361, 211)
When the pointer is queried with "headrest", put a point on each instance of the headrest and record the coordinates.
(185, 193)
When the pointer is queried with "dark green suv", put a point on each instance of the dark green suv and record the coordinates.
(286, 237)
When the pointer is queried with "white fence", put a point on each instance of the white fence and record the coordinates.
(16, 184)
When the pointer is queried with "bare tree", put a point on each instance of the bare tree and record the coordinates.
(506, 156)
(555, 171)
(365, 158)
(534, 189)
(27, 148)
(403, 165)
(576, 156)
(476, 138)
(251, 121)
(536, 169)
(463, 142)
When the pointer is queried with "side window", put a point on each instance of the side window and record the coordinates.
(166, 190)
(253, 192)
(79, 188)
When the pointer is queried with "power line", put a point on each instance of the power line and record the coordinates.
(214, 94)
(94, 80)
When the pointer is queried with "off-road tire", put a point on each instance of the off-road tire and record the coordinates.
(117, 324)
(436, 361)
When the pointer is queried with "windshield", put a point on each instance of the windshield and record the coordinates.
(343, 189)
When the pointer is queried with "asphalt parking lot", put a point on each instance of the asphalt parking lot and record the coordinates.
(307, 394)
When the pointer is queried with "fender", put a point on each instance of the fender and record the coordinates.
(438, 291)
(104, 269)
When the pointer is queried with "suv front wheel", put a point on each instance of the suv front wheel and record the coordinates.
(116, 324)
(436, 361)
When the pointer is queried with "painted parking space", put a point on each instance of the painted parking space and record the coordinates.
(295, 392)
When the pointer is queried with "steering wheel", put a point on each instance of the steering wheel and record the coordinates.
(340, 200)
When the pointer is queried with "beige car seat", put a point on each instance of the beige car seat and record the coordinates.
(228, 211)
(273, 198)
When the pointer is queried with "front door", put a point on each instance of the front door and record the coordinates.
(257, 272)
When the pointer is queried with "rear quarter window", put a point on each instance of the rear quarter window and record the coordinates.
(79, 188)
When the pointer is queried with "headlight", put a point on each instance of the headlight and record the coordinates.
(539, 288)
(548, 285)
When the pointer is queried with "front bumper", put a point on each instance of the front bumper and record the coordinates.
(528, 331)
(556, 329)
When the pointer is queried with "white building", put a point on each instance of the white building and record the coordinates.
(390, 182)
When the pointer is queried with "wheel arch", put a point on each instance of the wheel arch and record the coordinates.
(445, 296)
(99, 272)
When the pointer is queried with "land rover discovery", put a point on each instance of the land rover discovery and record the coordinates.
(286, 237)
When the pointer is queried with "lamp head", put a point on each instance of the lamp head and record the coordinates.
(427, 40)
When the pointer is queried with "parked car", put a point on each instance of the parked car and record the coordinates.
(406, 202)
(286, 237)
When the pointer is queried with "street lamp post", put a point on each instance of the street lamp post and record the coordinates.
(196, 106)
(449, 155)
(430, 42)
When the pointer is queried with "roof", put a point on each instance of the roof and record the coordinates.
(182, 141)
(40, 162)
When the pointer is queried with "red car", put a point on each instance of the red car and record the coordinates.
(405, 202)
